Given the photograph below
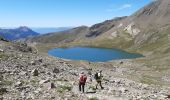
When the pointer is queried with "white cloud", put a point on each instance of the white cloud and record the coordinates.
(124, 6)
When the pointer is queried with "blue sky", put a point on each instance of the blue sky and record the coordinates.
(61, 13)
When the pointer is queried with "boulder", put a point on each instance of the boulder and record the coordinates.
(18, 84)
(1, 98)
(91, 90)
(22, 73)
(52, 86)
(56, 70)
(21, 88)
(35, 72)
(163, 97)
(48, 73)
(123, 90)
(1, 77)
(168, 96)
(32, 63)
(40, 60)
(3, 90)
(38, 90)
(44, 81)
(121, 62)
(1, 50)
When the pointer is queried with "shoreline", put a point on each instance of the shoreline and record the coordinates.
(55, 46)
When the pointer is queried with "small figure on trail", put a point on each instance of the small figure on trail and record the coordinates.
(98, 77)
(82, 81)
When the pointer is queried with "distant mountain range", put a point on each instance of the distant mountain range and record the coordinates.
(147, 31)
(17, 33)
(44, 30)
(25, 32)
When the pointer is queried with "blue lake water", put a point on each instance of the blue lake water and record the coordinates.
(92, 54)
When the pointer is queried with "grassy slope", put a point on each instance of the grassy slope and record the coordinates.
(155, 64)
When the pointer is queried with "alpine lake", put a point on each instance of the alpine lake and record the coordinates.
(92, 54)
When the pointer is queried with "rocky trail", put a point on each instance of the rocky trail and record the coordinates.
(27, 75)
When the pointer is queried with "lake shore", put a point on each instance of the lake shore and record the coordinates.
(144, 69)
(35, 75)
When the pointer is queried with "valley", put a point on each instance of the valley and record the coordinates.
(136, 33)
(28, 72)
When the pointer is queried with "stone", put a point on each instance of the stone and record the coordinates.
(112, 81)
(145, 87)
(121, 62)
(56, 70)
(48, 73)
(40, 60)
(23, 73)
(52, 98)
(18, 84)
(35, 72)
(3, 90)
(1, 98)
(38, 90)
(123, 90)
(30, 96)
(32, 63)
(1, 50)
(89, 73)
(44, 81)
(1, 77)
(91, 90)
(111, 91)
(162, 97)
(168, 96)
(52, 86)
(21, 88)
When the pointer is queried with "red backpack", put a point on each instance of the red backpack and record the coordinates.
(83, 78)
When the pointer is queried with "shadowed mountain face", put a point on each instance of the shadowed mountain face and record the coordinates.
(103, 27)
(18, 33)
(144, 31)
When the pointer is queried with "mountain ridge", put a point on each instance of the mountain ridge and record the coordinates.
(17, 33)
(146, 31)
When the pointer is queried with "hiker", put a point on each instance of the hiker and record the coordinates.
(98, 78)
(82, 81)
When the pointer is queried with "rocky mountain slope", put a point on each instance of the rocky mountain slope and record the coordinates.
(146, 31)
(25, 74)
(70, 35)
(18, 33)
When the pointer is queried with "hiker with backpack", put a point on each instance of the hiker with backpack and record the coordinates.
(98, 77)
(82, 81)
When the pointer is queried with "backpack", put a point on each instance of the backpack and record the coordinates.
(96, 76)
(83, 78)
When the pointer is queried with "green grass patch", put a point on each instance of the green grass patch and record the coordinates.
(92, 98)
(64, 88)
(3, 56)
(6, 83)
(151, 80)
(34, 82)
